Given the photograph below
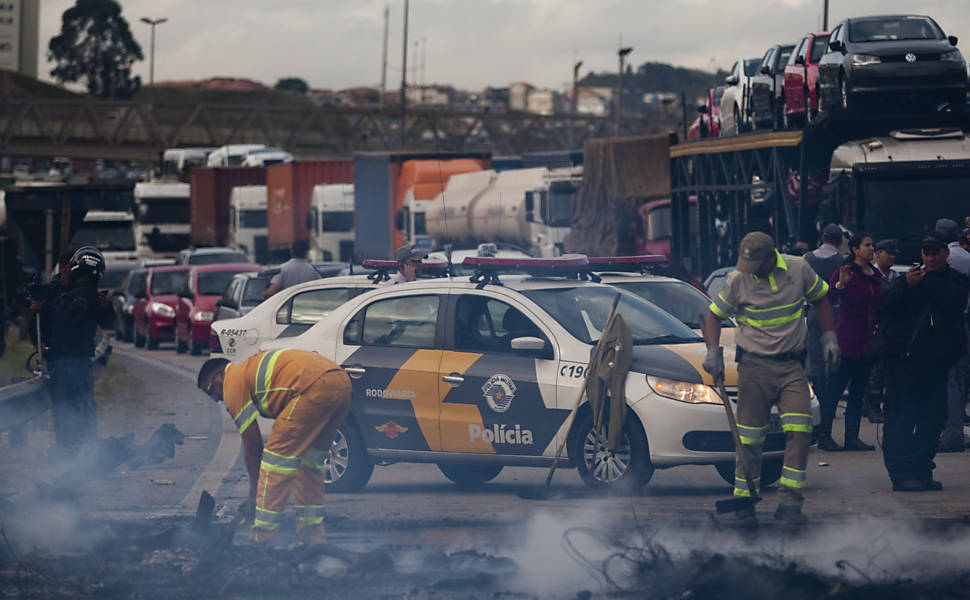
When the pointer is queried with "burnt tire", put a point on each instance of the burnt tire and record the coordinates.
(348, 466)
(470, 475)
(625, 469)
(770, 471)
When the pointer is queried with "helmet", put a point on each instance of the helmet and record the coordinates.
(87, 260)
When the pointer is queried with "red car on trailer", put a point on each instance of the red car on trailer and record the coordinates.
(801, 80)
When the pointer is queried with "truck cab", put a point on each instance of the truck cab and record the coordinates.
(331, 222)
(162, 218)
(247, 222)
(897, 186)
(412, 221)
(110, 231)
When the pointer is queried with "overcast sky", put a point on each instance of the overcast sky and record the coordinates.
(470, 43)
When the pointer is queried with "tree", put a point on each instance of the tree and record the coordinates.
(96, 47)
(292, 84)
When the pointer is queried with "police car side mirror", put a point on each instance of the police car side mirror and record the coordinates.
(531, 346)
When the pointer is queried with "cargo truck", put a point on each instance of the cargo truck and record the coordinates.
(110, 231)
(162, 218)
(331, 223)
(247, 222)
(211, 189)
(528, 208)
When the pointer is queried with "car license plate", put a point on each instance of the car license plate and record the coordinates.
(774, 424)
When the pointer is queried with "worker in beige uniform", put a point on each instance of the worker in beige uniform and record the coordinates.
(766, 294)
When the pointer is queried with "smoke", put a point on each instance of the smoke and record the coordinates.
(46, 528)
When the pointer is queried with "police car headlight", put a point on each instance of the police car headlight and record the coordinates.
(203, 315)
(163, 310)
(693, 393)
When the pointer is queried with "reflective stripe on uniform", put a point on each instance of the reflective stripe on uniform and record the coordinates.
(796, 422)
(768, 317)
(741, 486)
(751, 436)
(309, 514)
(277, 463)
(264, 378)
(721, 307)
(314, 459)
(267, 519)
(246, 416)
(792, 477)
(818, 290)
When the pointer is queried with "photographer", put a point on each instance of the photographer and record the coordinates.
(69, 323)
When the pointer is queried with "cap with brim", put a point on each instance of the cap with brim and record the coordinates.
(832, 231)
(932, 242)
(406, 253)
(755, 248)
(888, 245)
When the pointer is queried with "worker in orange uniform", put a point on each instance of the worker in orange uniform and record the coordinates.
(308, 396)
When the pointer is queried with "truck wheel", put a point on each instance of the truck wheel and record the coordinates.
(470, 475)
(150, 342)
(625, 469)
(180, 346)
(348, 467)
(770, 471)
(139, 339)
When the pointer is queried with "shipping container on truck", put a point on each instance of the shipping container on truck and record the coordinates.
(210, 192)
(376, 179)
(289, 189)
(419, 184)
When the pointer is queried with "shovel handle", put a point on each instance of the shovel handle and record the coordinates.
(738, 446)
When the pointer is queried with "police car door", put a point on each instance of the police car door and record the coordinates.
(391, 348)
(494, 400)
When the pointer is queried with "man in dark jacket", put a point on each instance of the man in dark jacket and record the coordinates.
(824, 260)
(72, 320)
(922, 329)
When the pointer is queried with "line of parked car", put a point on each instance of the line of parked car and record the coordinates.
(888, 64)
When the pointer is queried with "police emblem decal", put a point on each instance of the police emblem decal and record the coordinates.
(499, 391)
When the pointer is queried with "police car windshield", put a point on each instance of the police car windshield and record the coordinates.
(680, 299)
(583, 312)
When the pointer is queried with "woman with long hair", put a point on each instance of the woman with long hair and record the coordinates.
(856, 286)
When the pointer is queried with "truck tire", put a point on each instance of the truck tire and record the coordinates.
(348, 467)
(625, 469)
(470, 475)
(770, 471)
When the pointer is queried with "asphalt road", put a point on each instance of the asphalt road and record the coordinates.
(849, 501)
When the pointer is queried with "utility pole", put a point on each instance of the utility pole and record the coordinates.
(621, 53)
(151, 60)
(387, 14)
(404, 81)
(576, 67)
(825, 15)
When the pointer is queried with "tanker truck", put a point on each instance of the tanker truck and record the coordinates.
(528, 208)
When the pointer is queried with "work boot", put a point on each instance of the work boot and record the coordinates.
(746, 518)
(790, 514)
(854, 443)
(952, 444)
(916, 485)
(825, 442)
(875, 416)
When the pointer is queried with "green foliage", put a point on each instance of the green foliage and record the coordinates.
(96, 47)
(292, 84)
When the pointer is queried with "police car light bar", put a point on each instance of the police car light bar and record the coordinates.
(626, 263)
(487, 268)
(383, 269)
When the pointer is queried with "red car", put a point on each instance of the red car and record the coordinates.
(153, 316)
(801, 80)
(204, 285)
(708, 122)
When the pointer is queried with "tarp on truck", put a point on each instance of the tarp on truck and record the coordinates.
(620, 174)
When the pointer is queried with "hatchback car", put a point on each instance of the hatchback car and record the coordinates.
(197, 301)
(766, 88)
(123, 303)
(153, 316)
(736, 101)
(801, 80)
(475, 376)
(904, 62)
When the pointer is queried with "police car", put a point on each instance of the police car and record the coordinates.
(475, 374)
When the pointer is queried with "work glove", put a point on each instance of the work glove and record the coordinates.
(830, 351)
(714, 362)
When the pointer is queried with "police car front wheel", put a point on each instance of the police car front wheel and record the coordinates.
(470, 475)
(349, 467)
(627, 467)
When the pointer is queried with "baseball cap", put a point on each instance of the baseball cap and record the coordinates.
(755, 248)
(933, 242)
(832, 231)
(887, 245)
(947, 229)
(406, 253)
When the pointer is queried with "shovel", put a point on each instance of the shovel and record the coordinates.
(736, 503)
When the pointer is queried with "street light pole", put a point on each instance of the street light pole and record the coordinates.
(151, 60)
(621, 53)
(404, 81)
(575, 78)
(825, 15)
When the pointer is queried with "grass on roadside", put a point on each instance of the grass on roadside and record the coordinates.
(12, 363)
